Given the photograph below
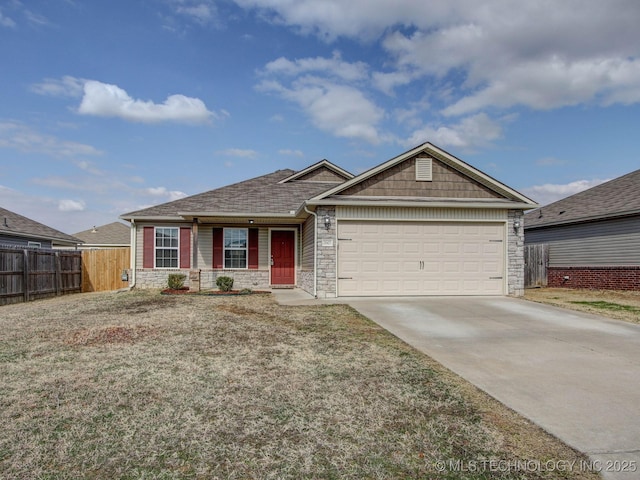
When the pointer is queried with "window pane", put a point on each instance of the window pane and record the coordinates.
(235, 238)
(235, 259)
(167, 247)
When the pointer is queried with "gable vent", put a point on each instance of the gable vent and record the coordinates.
(423, 169)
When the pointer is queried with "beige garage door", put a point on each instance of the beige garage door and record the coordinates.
(420, 258)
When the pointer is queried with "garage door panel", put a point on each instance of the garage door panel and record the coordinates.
(420, 258)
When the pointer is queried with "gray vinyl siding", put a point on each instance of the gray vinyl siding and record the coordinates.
(12, 241)
(604, 243)
(307, 243)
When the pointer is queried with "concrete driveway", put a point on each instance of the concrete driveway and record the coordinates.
(576, 375)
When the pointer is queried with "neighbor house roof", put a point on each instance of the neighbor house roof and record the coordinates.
(16, 225)
(615, 198)
(116, 233)
(262, 195)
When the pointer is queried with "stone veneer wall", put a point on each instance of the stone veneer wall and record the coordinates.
(327, 254)
(305, 280)
(515, 248)
(254, 279)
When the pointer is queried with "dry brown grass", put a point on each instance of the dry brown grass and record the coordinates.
(139, 385)
(620, 305)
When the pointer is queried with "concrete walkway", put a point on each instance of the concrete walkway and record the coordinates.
(576, 375)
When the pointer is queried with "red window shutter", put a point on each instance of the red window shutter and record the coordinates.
(217, 248)
(185, 247)
(148, 247)
(253, 248)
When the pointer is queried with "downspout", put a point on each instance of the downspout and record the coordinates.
(315, 251)
(134, 248)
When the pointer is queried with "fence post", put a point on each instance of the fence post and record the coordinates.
(58, 274)
(25, 275)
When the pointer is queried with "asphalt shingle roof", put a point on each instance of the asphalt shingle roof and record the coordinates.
(617, 197)
(116, 233)
(17, 225)
(258, 195)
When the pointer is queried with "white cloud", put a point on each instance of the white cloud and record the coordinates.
(67, 86)
(20, 137)
(238, 152)
(329, 19)
(200, 11)
(550, 192)
(46, 210)
(36, 18)
(553, 83)
(474, 131)
(499, 54)
(71, 205)
(295, 153)
(105, 100)
(334, 67)
(341, 110)
(6, 21)
(387, 82)
(170, 195)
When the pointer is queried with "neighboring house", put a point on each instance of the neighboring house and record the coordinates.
(422, 223)
(19, 231)
(593, 236)
(112, 235)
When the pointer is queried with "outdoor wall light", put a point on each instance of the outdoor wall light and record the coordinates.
(251, 221)
(327, 222)
(516, 226)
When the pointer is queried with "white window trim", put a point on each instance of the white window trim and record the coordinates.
(34, 244)
(224, 250)
(155, 247)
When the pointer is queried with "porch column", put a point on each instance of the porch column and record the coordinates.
(194, 273)
(326, 251)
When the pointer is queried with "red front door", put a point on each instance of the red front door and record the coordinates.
(283, 257)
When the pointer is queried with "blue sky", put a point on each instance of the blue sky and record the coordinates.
(108, 107)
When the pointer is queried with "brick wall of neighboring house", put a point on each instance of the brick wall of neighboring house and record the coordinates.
(606, 278)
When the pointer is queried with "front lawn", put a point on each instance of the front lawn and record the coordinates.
(139, 385)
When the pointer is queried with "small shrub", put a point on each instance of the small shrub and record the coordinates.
(225, 284)
(245, 291)
(176, 281)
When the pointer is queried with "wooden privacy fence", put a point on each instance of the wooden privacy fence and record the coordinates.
(102, 269)
(31, 274)
(536, 261)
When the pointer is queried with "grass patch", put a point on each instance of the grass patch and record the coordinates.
(619, 305)
(138, 385)
(604, 305)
